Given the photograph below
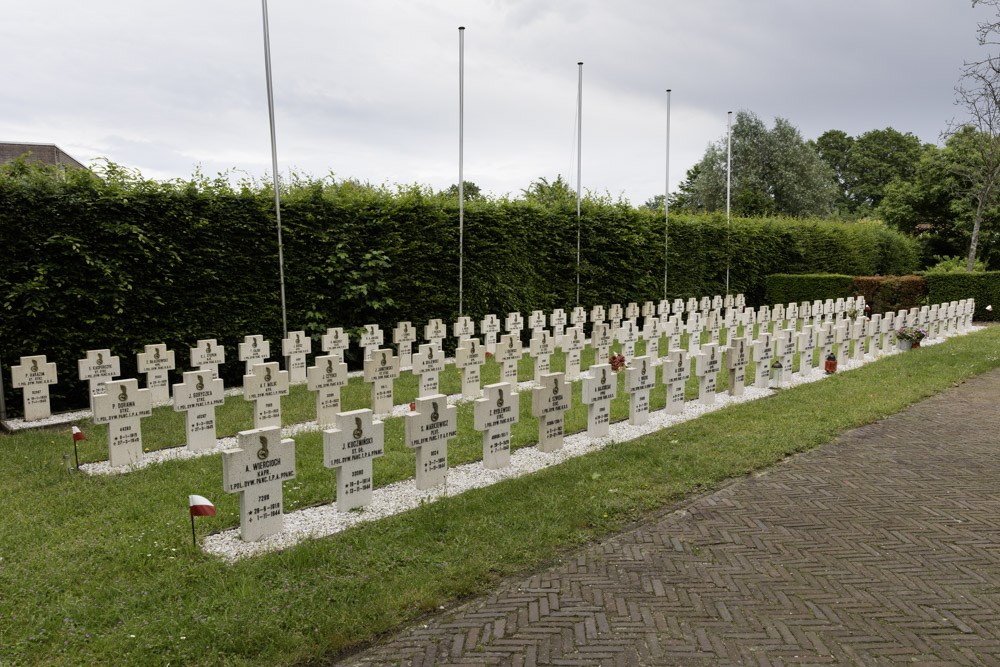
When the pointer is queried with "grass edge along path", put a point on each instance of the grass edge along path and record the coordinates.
(328, 596)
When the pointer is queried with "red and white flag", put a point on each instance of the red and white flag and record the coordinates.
(78, 434)
(201, 506)
(989, 308)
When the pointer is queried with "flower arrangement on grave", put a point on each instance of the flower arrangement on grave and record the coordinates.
(912, 334)
(617, 361)
(489, 355)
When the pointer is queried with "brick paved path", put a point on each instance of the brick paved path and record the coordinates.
(880, 548)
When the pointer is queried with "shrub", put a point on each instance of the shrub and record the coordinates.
(891, 293)
(791, 288)
(984, 287)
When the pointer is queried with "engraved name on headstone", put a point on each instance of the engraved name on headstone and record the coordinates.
(256, 469)
(197, 396)
(599, 388)
(252, 351)
(98, 368)
(640, 377)
(380, 372)
(428, 430)
(207, 356)
(350, 449)
(294, 349)
(265, 385)
(326, 378)
(34, 375)
(404, 336)
(494, 414)
(121, 408)
(335, 342)
(549, 402)
(156, 361)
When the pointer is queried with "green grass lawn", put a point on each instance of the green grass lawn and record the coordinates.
(102, 569)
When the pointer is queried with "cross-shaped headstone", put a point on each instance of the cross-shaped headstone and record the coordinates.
(494, 414)
(256, 469)
(548, 402)
(404, 336)
(651, 334)
(578, 317)
(676, 373)
(597, 315)
(827, 339)
(785, 340)
(842, 340)
(600, 340)
(692, 304)
(541, 349)
(427, 363)
(804, 311)
(121, 408)
(514, 324)
(326, 378)
(509, 352)
(490, 328)
(335, 342)
(729, 301)
(648, 311)
(600, 386)
(792, 315)
(265, 385)
(371, 339)
(632, 311)
(694, 327)
(156, 361)
(615, 317)
(741, 301)
(628, 334)
(463, 328)
(857, 335)
(730, 322)
(873, 334)
(663, 310)
(763, 353)
(677, 308)
(640, 377)
(778, 316)
(737, 358)
(98, 368)
(435, 332)
(764, 318)
(253, 350)
(294, 349)
(714, 325)
(705, 304)
(428, 430)
(717, 302)
(887, 330)
(207, 356)
(197, 396)
(672, 330)
(469, 358)
(572, 344)
(707, 365)
(536, 321)
(807, 344)
(34, 375)
(557, 319)
(380, 371)
(350, 448)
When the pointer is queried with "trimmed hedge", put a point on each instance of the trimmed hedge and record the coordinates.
(891, 293)
(119, 262)
(788, 288)
(984, 287)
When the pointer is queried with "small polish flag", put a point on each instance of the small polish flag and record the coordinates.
(78, 434)
(989, 308)
(201, 506)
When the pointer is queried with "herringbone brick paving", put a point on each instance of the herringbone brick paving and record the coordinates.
(882, 547)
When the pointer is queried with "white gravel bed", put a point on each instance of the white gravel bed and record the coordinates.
(325, 520)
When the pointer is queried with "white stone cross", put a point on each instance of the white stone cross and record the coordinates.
(380, 371)
(265, 385)
(350, 449)
(764, 318)
(707, 365)
(714, 324)
(615, 317)
(827, 339)
(717, 302)
(371, 339)
(34, 375)
(694, 327)
(778, 316)
(857, 335)
(428, 430)
(677, 307)
(763, 353)
(729, 301)
(676, 373)
(632, 311)
(536, 321)
(427, 363)
(572, 344)
(156, 361)
(600, 340)
(469, 358)
(842, 340)
(490, 328)
(509, 352)
(672, 330)
(404, 336)
(737, 358)
(873, 334)
(121, 408)
(807, 344)
(557, 320)
(640, 377)
(435, 332)
(253, 350)
(705, 304)
(294, 349)
(541, 348)
(326, 378)
(663, 310)
(256, 469)
(597, 315)
(599, 388)
(578, 317)
(493, 414)
(548, 402)
(651, 334)
(648, 311)
(514, 324)
(887, 329)
(740, 300)
(463, 328)
(197, 396)
(99, 368)
(335, 342)
(692, 304)
(628, 334)
(730, 322)
(785, 340)
(207, 356)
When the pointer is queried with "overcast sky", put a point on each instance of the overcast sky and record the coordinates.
(368, 89)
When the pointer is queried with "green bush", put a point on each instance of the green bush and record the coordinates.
(956, 264)
(113, 260)
(791, 288)
(891, 293)
(984, 287)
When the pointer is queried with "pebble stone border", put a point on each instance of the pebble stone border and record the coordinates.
(325, 520)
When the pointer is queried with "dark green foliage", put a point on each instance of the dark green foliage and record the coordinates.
(983, 287)
(120, 262)
(791, 288)
(891, 293)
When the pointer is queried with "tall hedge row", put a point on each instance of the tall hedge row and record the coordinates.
(984, 287)
(119, 262)
(796, 288)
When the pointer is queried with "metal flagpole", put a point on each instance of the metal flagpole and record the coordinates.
(729, 173)
(461, 153)
(579, 173)
(274, 168)
(666, 205)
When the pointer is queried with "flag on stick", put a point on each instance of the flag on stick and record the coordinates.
(77, 436)
(989, 308)
(199, 506)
